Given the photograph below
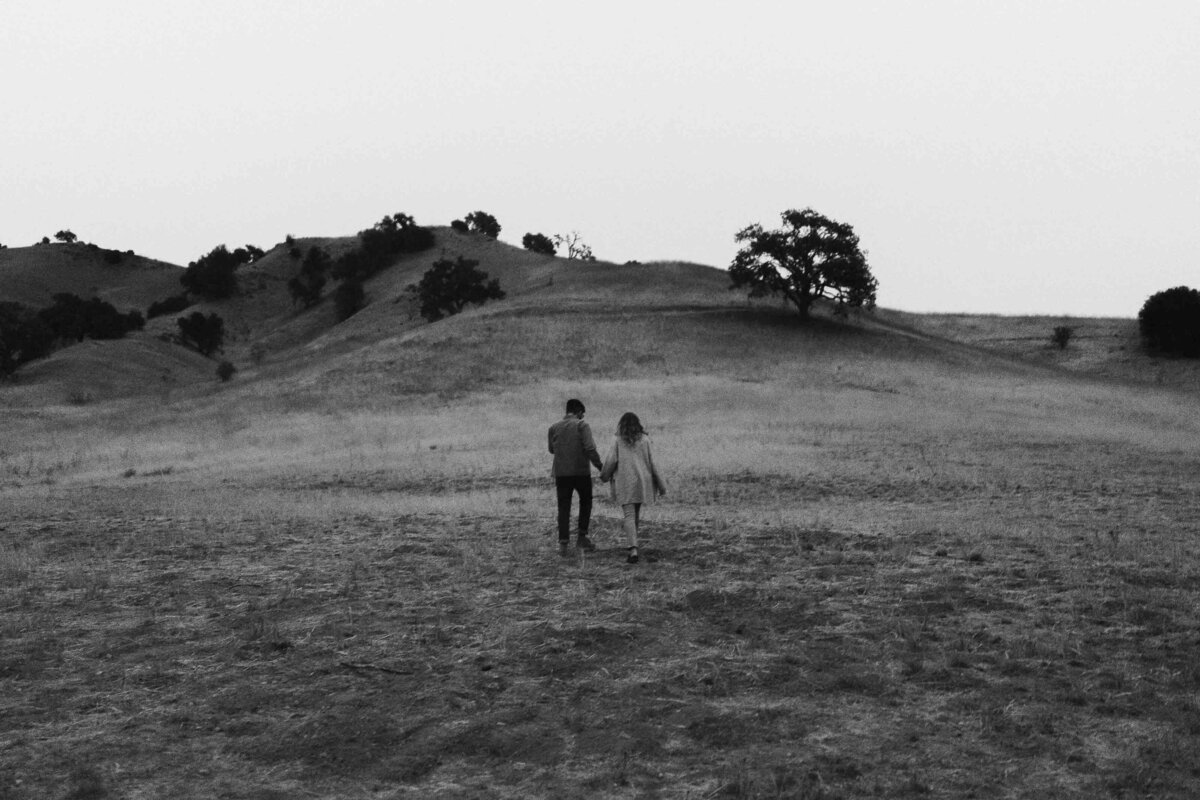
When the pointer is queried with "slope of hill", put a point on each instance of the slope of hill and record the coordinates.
(885, 554)
(560, 319)
(140, 365)
(33, 275)
(1103, 347)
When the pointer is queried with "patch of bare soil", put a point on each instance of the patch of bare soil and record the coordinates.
(150, 651)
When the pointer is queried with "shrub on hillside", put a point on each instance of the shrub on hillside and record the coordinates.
(213, 274)
(24, 336)
(225, 370)
(306, 287)
(539, 243)
(1062, 336)
(1170, 322)
(349, 298)
(73, 318)
(380, 245)
(205, 333)
(448, 286)
(65, 236)
(483, 222)
(460, 226)
(168, 305)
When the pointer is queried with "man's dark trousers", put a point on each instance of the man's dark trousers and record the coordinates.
(566, 486)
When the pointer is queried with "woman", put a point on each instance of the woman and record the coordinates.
(635, 480)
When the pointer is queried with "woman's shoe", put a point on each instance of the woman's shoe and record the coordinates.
(633, 555)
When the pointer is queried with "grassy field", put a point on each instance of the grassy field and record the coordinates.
(889, 565)
(876, 575)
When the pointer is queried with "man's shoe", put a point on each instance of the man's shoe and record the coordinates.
(585, 543)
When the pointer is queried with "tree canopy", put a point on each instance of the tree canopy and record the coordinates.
(1170, 322)
(205, 333)
(482, 222)
(539, 243)
(448, 286)
(810, 257)
(212, 275)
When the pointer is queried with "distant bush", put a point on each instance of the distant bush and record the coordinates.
(73, 318)
(212, 275)
(168, 305)
(483, 222)
(380, 245)
(349, 298)
(1170, 322)
(65, 236)
(205, 333)
(24, 336)
(109, 256)
(448, 286)
(1062, 336)
(576, 249)
(225, 370)
(539, 243)
(460, 226)
(306, 287)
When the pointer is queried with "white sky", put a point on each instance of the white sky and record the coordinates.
(1026, 156)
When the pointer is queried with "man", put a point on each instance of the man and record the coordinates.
(574, 455)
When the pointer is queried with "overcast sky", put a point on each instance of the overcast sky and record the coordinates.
(1025, 156)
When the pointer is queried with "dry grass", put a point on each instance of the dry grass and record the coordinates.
(889, 566)
(874, 578)
(33, 275)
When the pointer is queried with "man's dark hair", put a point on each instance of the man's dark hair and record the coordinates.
(575, 406)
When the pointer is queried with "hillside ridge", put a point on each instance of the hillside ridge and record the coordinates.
(269, 338)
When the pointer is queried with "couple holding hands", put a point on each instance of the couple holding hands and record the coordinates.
(628, 465)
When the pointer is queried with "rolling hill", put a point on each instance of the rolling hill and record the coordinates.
(901, 555)
(567, 318)
(33, 275)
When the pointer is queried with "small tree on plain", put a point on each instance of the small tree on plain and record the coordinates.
(811, 256)
(539, 243)
(1062, 336)
(1170, 322)
(448, 287)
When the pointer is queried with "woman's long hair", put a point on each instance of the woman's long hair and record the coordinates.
(630, 429)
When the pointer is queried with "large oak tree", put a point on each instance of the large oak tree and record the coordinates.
(810, 257)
